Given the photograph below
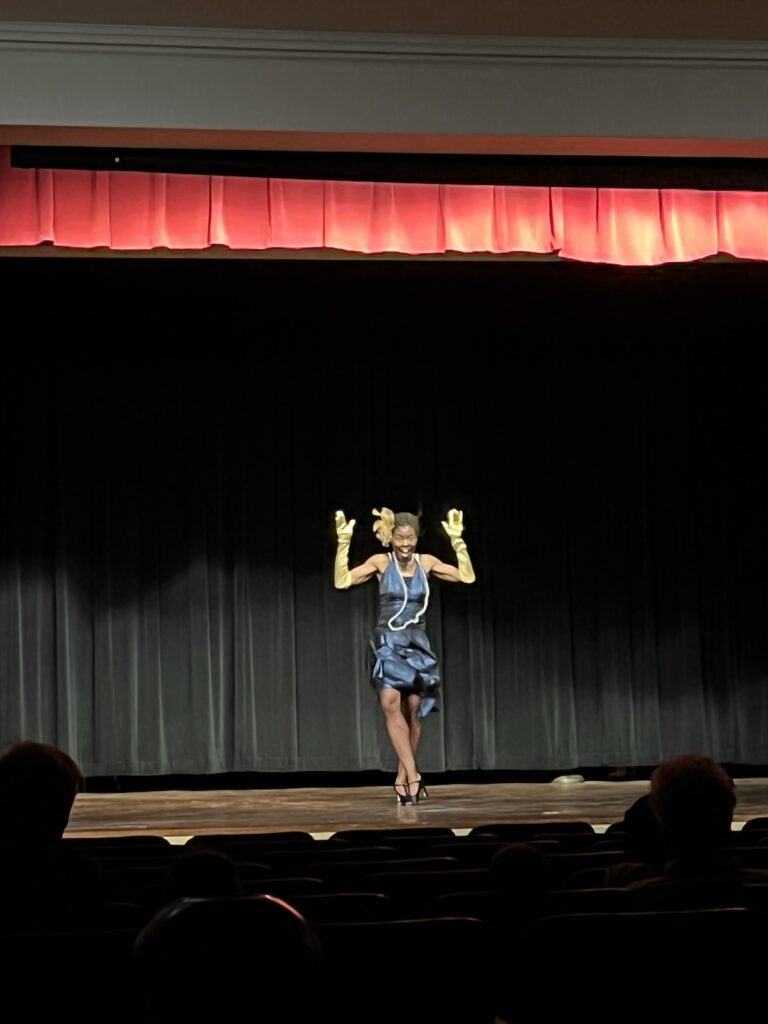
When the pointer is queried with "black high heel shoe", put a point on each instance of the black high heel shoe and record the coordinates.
(405, 796)
(421, 791)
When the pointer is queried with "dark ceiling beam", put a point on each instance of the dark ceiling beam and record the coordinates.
(707, 173)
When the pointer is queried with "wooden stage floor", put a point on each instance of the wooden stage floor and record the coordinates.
(181, 813)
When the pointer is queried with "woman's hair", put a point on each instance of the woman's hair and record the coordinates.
(388, 522)
(407, 519)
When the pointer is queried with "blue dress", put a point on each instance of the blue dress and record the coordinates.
(402, 657)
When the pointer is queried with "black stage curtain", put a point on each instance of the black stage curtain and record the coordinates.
(176, 435)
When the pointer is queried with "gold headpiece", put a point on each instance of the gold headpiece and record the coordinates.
(384, 526)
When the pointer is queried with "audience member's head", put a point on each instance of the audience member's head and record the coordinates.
(693, 798)
(518, 868)
(194, 950)
(38, 786)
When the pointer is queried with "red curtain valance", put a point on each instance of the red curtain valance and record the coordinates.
(142, 211)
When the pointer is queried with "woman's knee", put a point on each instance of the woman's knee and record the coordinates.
(390, 702)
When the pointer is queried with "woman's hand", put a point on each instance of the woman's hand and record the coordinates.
(344, 529)
(454, 526)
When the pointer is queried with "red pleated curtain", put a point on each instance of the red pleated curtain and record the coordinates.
(130, 211)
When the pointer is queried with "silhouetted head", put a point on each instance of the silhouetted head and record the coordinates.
(518, 867)
(244, 949)
(693, 798)
(38, 786)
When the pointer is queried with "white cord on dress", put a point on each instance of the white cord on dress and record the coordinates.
(411, 622)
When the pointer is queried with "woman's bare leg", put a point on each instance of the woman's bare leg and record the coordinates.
(411, 705)
(399, 734)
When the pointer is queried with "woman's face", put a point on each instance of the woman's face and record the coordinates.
(404, 540)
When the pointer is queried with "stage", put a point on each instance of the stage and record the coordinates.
(178, 814)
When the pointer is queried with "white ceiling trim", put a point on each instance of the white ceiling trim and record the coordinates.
(26, 36)
(139, 77)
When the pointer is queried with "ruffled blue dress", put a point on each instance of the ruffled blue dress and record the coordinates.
(402, 657)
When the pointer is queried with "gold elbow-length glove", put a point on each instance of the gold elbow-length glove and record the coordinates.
(454, 527)
(341, 574)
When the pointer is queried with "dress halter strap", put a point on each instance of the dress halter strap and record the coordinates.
(401, 609)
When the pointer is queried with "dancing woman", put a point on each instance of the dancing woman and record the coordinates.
(405, 672)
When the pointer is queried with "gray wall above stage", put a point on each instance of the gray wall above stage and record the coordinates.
(253, 81)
